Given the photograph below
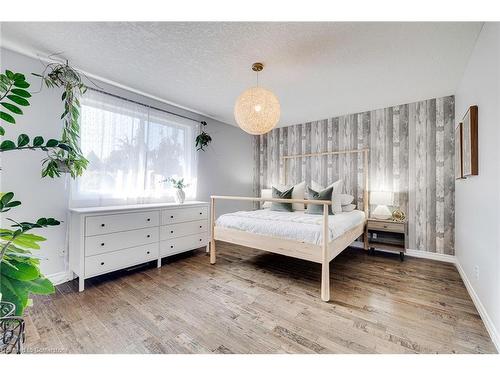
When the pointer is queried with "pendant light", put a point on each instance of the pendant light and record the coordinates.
(257, 110)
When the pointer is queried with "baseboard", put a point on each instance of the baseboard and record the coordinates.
(490, 327)
(434, 256)
(418, 254)
(59, 277)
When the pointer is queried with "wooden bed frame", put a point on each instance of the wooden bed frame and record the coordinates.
(322, 253)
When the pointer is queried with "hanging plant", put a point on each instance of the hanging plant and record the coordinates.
(203, 139)
(68, 160)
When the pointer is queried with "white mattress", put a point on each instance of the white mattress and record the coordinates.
(296, 225)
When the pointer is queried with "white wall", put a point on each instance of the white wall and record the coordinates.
(477, 199)
(225, 168)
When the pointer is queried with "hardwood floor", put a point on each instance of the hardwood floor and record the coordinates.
(257, 302)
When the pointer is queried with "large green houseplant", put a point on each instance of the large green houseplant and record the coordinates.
(20, 274)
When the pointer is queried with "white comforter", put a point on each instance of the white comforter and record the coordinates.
(295, 225)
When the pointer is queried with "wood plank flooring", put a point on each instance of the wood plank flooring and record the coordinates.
(257, 302)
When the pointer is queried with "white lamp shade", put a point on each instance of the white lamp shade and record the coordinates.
(384, 198)
(257, 110)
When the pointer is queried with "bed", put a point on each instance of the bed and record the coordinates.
(315, 238)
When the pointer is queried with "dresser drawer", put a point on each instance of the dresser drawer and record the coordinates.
(183, 229)
(108, 262)
(386, 226)
(177, 245)
(106, 243)
(95, 225)
(180, 215)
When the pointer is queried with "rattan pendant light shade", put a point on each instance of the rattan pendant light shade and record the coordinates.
(257, 110)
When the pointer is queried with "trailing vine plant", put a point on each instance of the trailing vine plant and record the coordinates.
(203, 139)
(70, 160)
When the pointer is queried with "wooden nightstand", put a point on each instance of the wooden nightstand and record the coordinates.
(386, 235)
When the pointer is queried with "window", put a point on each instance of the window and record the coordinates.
(131, 149)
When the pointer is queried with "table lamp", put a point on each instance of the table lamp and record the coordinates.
(382, 199)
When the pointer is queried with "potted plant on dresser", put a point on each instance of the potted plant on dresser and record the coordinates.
(20, 274)
(179, 186)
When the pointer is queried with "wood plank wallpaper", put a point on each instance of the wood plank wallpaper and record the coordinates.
(411, 153)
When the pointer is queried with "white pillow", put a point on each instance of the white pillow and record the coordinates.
(297, 193)
(346, 199)
(348, 207)
(336, 203)
(266, 193)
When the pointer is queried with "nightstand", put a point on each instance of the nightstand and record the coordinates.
(386, 235)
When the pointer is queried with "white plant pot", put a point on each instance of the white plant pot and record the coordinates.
(180, 196)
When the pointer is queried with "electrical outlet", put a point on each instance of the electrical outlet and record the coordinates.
(476, 272)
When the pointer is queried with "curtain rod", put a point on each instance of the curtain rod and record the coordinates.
(142, 104)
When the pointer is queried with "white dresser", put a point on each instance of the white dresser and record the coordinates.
(105, 239)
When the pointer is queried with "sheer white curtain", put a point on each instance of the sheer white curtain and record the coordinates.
(131, 148)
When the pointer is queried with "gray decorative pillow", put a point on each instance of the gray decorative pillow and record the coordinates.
(323, 195)
(279, 206)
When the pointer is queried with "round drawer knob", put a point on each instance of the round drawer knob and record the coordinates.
(102, 243)
(102, 263)
(385, 226)
(171, 216)
(148, 219)
(147, 252)
(200, 239)
(171, 246)
(201, 213)
(200, 226)
(148, 236)
(102, 225)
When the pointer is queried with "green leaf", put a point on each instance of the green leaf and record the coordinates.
(21, 92)
(4, 79)
(22, 271)
(3, 87)
(14, 294)
(7, 197)
(2, 131)
(22, 140)
(42, 221)
(52, 221)
(13, 204)
(18, 100)
(19, 77)
(65, 147)
(9, 75)
(41, 285)
(24, 240)
(6, 117)
(7, 145)
(12, 108)
(38, 141)
(21, 84)
(18, 291)
(52, 143)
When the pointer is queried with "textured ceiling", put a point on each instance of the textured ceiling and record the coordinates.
(317, 70)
